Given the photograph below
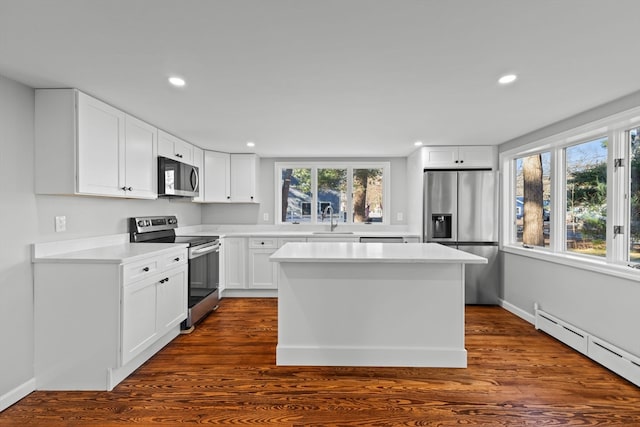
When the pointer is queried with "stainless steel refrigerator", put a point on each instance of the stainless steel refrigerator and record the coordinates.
(460, 210)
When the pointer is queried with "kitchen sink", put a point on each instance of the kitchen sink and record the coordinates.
(333, 233)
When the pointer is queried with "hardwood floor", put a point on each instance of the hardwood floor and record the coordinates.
(224, 373)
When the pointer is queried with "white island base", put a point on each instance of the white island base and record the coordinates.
(371, 304)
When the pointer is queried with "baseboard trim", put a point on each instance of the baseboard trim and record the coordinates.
(531, 318)
(13, 396)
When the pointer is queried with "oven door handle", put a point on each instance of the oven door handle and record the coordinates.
(194, 253)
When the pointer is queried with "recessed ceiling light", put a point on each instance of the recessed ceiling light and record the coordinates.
(417, 143)
(251, 144)
(177, 81)
(507, 78)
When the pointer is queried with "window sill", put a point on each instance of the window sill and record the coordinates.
(583, 263)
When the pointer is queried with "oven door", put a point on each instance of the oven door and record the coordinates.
(204, 272)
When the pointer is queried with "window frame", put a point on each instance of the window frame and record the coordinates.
(349, 166)
(614, 128)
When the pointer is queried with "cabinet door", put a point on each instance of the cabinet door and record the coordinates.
(174, 148)
(217, 185)
(183, 150)
(172, 299)
(262, 272)
(440, 157)
(476, 157)
(140, 159)
(243, 178)
(138, 318)
(198, 161)
(234, 249)
(100, 142)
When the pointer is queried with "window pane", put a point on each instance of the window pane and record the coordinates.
(332, 191)
(296, 195)
(533, 195)
(634, 200)
(367, 195)
(586, 183)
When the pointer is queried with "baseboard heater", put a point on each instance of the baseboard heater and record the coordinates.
(611, 357)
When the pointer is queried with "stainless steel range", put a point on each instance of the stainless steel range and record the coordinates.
(204, 261)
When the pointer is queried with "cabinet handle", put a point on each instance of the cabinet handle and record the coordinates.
(176, 259)
(145, 269)
(456, 161)
(228, 197)
(178, 155)
(262, 243)
(251, 197)
(166, 279)
(461, 161)
(124, 188)
(130, 188)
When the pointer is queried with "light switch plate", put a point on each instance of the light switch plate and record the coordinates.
(61, 223)
(399, 216)
(265, 216)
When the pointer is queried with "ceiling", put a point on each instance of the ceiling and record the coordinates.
(308, 78)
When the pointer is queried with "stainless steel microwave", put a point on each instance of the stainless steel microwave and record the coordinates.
(177, 179)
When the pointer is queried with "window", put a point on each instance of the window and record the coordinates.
(586, 189)
(533, 199)
(355, 192)
(585, 184)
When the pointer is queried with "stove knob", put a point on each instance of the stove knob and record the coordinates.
(141, 223)
(147, 223)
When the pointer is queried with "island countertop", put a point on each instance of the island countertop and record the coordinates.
(426, 253)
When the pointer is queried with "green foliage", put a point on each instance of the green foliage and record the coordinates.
(303, 176)
(587, 187)
(332, 179)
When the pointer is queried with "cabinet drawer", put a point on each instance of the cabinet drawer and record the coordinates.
(270, 242)
(174, 259)
(140, 269)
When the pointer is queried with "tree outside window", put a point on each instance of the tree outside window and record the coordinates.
(533, 195)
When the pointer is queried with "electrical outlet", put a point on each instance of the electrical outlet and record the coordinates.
(400, 216)
(61, 224)
(265, 216)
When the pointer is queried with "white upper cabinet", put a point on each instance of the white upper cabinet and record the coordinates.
(140, 177)
(459, 157)
(100, 138)
(244, 176)
(231, 178)
(217, 178)
(174, 148)
(84, 146)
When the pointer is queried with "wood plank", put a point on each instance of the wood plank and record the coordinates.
(224, 373)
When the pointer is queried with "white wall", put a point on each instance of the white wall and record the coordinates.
(26, 218)
(221, 213)
(602, 305)
(18, 228)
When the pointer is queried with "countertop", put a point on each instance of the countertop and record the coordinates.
(427, 253)
(285, 234)
(112, 254)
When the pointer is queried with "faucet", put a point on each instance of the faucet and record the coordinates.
(329, 211)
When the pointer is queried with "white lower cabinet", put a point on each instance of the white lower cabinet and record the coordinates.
(235, 263)
(263, 274)
(150, 308)
(97, 322)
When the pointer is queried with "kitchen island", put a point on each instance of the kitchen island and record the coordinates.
(371, 304)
